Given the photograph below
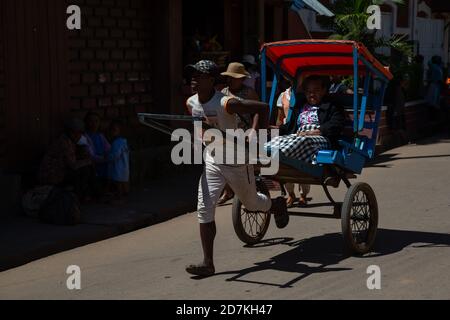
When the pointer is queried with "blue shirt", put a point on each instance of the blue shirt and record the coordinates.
(119, 161)
(99, 148)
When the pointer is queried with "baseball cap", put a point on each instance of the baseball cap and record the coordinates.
(204, 66)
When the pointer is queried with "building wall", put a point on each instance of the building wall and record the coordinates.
(35, 73)
(53, 73)
(110, 58)
(2, 99)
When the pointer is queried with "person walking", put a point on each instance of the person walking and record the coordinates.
(236, 75)
(220, 112)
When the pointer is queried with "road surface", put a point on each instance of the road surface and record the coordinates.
(304, 261)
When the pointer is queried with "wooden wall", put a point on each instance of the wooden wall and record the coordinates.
(35, 86)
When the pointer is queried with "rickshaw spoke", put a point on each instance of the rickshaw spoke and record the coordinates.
(245, 215)
(252, 223)
(257, 223)
(263, 218)
(360, 217)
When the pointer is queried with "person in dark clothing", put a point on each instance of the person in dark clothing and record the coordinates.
(98, 145)
(315, 124)
(67, 164)
(395, 101)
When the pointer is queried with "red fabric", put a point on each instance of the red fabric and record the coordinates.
(324, 56)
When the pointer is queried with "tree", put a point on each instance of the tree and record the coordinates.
(350, 23)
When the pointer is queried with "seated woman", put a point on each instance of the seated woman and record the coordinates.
(98, 145)
(315, 124)
(67, 164)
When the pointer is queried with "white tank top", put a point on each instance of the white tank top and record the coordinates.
(215, 111)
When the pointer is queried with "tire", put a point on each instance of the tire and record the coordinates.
(359, 219)
(247, 232)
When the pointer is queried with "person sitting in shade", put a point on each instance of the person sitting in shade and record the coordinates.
(67, 165)
(99, 146)
(118, 161)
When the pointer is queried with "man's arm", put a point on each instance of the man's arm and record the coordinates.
(261, 109)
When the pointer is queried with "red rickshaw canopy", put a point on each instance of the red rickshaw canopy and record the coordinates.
(327, 57)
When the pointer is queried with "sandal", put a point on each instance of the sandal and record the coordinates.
(291, 201)
(303, 202)
(201, 270)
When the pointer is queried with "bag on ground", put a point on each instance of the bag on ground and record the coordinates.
(61, 208)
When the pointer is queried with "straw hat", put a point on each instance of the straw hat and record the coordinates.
(236, 70)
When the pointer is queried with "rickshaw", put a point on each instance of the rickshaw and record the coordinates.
(359, 210)
(290, 59)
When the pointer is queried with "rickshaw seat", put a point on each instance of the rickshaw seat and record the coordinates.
(349, 157)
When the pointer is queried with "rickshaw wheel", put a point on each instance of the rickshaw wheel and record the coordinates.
(251, 227)
(359, 219)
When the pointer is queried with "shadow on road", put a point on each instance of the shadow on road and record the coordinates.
(319, 254)
(390, 157)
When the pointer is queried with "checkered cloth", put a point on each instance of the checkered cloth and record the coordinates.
(300, 148)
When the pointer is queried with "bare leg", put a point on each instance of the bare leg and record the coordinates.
(290, 188)
(306, 189)
(208, 233)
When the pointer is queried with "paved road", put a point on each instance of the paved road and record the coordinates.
(304, 261)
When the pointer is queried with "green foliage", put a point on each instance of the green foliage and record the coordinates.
(350, 23)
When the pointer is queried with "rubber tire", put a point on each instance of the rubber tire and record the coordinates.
(237, 221)
(351, 247)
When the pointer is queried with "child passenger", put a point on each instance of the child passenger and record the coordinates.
(119, 160)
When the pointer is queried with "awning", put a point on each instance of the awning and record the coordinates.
(321, 57)
(313, 5)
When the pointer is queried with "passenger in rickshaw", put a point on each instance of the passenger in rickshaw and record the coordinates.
(283, 104)
(315, 124)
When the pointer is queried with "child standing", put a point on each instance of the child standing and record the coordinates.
(119, 160)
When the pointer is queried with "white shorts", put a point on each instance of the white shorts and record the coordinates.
(241, 179)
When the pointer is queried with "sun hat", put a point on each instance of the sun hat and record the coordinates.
(236, 70)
